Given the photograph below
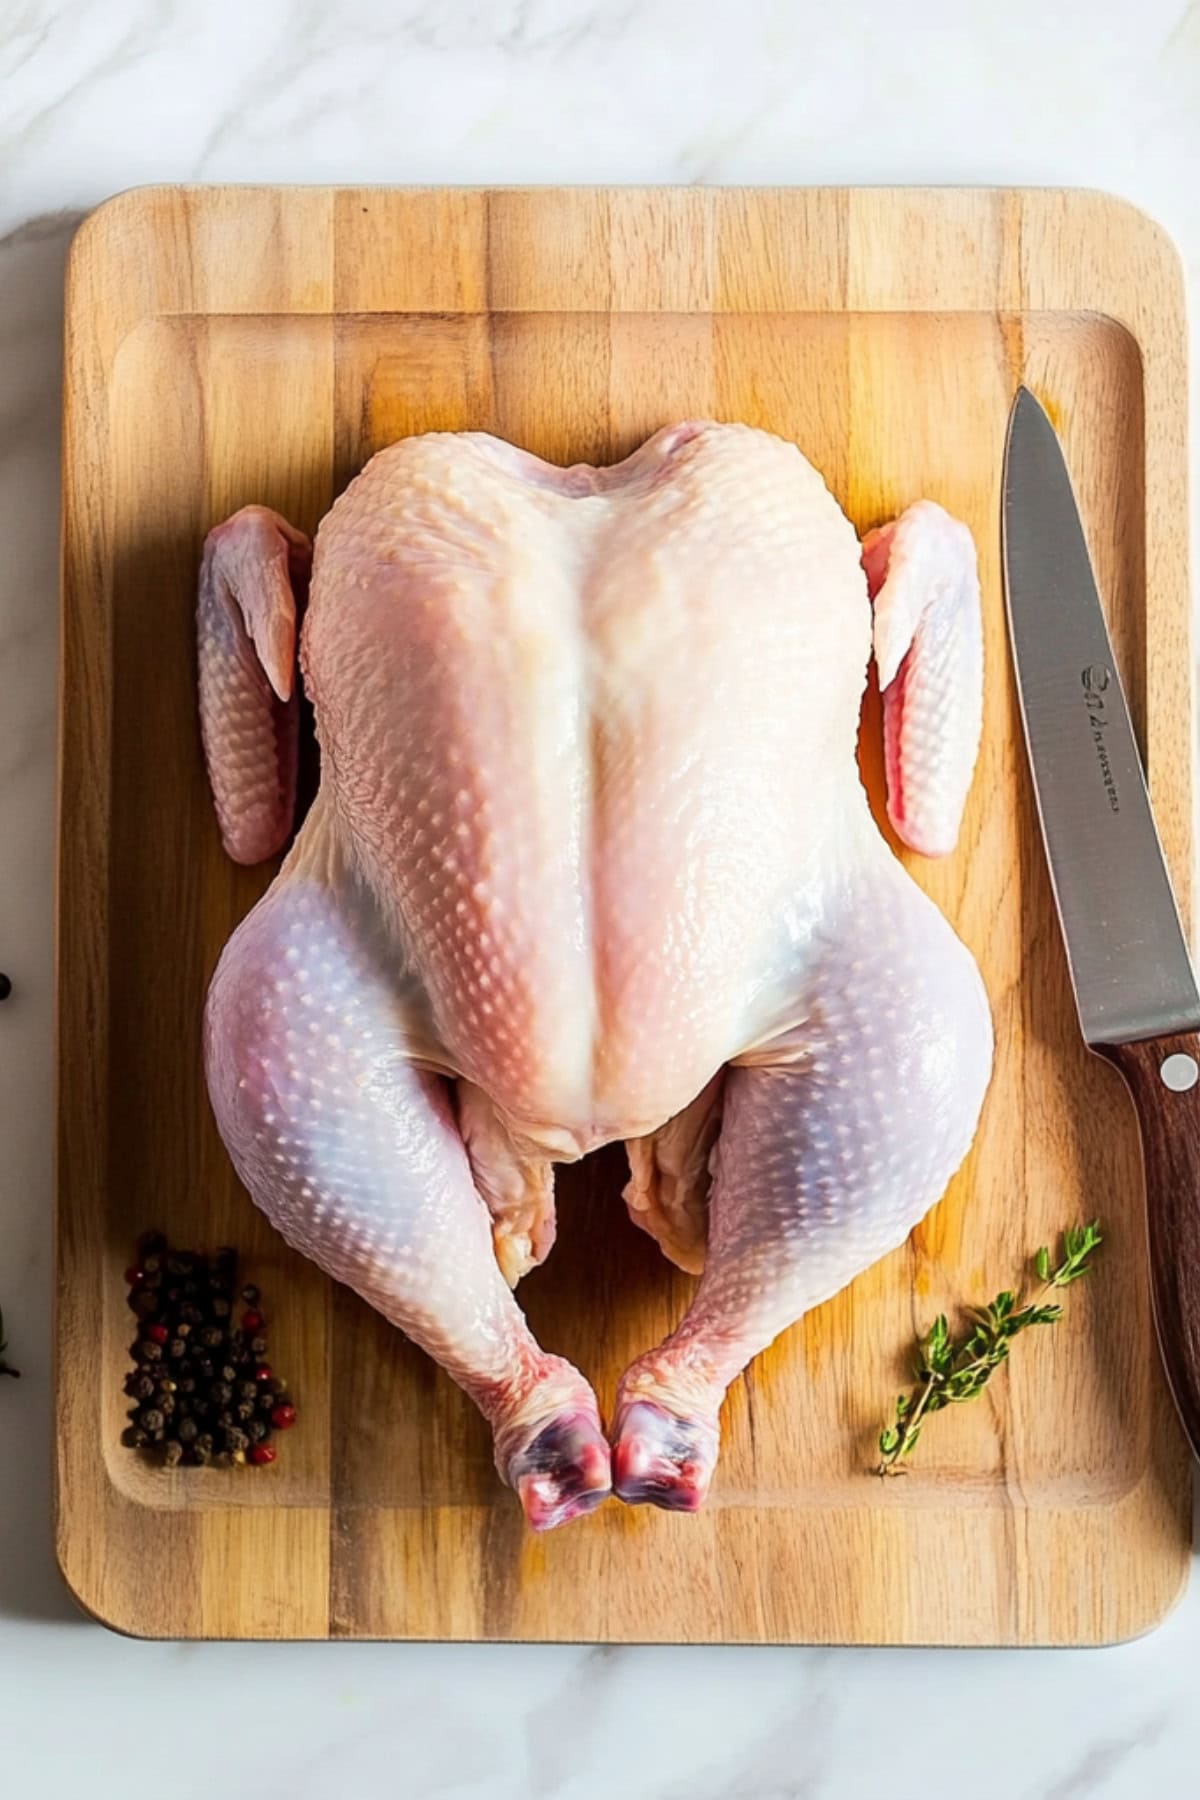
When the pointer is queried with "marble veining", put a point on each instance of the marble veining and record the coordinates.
(97, 98)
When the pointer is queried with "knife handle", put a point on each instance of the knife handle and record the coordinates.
(1163, 1077)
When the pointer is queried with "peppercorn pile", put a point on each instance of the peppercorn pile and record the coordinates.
(202, 1389)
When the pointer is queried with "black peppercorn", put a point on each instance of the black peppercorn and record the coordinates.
(195, 1384)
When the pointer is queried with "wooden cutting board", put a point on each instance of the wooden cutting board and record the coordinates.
(227, 345)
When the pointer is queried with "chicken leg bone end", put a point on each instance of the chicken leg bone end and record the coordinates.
(564, 1471)
(661, 1459)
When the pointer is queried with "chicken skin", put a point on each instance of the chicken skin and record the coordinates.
(591, 860)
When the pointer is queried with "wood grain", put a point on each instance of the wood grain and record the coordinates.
(1169, 1124)
(239, 344)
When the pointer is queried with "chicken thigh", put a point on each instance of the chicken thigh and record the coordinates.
(591, 860)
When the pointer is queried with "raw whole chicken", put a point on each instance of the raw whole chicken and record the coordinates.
(591, 860)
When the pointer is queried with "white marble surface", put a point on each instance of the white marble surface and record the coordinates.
(95, 97)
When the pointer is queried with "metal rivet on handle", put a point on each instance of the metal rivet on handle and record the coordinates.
(1180, 1072)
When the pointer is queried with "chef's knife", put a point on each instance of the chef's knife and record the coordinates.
(1134, 987)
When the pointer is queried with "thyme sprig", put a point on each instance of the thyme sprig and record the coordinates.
(951, 1370)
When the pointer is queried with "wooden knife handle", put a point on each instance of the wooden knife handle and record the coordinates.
(1163, 1076)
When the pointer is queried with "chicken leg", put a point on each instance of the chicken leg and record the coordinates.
(836, 1137)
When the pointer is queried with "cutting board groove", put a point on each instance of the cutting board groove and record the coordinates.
(227, 345)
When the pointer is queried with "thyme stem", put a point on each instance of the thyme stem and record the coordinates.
(952, 1370)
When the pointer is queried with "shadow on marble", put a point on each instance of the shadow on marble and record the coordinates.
(32, 262)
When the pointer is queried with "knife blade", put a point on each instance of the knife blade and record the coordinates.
(1135, 990)
(1128, 957)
